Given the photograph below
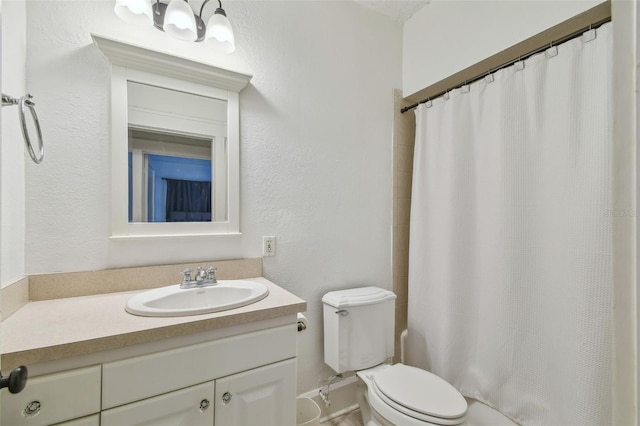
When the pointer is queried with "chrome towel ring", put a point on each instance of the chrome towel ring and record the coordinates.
(24, 103)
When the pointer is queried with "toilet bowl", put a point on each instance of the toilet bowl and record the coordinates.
(402, 395)
(359, 336)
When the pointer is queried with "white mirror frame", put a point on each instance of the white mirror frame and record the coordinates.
(135, 63)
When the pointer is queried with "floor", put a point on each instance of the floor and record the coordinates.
(350, 419)
(481, 414)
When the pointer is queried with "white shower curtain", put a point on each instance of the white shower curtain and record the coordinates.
(510, 266)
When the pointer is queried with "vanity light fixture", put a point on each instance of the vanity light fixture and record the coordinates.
(178, 20)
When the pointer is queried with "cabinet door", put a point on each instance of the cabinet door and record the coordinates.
(264, 396)
(192, 406)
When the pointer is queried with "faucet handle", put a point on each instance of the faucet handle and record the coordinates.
(211, 273)
(186, 275)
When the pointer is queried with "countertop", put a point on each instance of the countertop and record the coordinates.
(63, 328)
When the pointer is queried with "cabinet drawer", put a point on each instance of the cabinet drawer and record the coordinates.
(192, 406)
(53, 398)
(142, 377)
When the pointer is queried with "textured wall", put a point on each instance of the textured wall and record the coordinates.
(445, 36)
(12, 150)
(315, 147)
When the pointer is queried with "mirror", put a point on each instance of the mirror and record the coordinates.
(175, 132)
(177, 156)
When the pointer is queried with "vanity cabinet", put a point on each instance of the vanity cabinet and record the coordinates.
(245, 379)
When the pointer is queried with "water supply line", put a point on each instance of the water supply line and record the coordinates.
(325, 395)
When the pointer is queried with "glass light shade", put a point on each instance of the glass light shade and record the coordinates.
(134, 11)
(219, 33)
(179, 21)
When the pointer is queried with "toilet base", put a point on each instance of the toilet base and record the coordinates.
(370, 417)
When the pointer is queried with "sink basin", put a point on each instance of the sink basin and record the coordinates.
(172, 301)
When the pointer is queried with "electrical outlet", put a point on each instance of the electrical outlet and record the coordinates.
(268, 246)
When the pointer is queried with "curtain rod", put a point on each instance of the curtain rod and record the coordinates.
(561, 40)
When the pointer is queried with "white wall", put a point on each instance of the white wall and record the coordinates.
(315, 147)
(12, 151)
(447, 36)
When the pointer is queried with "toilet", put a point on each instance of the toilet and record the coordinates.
(359, 327)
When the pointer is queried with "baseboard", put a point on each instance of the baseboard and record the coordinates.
(343, 399)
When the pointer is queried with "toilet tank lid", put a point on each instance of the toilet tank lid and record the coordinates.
(357, 297)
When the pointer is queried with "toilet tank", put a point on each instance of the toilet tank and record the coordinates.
(359, 326)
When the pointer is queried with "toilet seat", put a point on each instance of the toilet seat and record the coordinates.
(418, 394)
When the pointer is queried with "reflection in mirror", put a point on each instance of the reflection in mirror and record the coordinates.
(177, 156)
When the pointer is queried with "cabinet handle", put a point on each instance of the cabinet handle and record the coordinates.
(204, 404)
(226, 398)
(32, 409)
(16, 381)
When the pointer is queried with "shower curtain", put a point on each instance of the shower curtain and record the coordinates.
(510, 266)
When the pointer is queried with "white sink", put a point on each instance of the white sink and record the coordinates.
(173, 301)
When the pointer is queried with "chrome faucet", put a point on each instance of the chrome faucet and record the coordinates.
(203, 278)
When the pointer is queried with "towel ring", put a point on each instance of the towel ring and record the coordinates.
(26, 102)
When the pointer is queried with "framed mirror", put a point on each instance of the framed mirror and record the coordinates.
(175, 144)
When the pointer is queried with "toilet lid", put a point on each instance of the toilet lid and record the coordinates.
(420, 391)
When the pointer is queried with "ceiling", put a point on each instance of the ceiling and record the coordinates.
(398, 10)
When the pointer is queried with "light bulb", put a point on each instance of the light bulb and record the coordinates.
(219, 32)
(179, 21)
(134, 11)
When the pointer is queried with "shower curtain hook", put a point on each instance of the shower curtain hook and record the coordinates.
(489, 78)
(589, 35)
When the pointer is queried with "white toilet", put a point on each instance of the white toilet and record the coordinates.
(359, 326)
